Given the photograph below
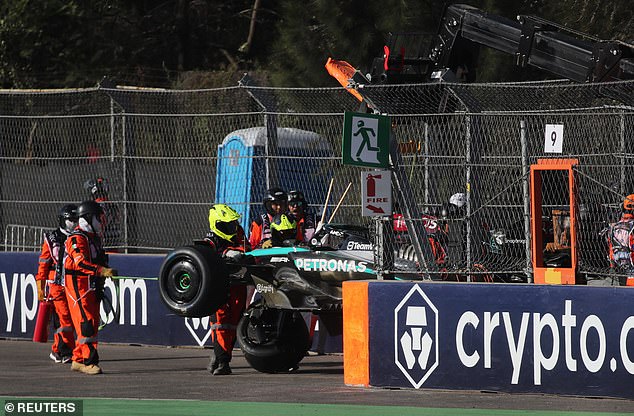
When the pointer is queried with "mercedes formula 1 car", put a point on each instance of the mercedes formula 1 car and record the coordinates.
(194, 282)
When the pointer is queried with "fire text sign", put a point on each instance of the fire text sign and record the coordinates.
(376, 193)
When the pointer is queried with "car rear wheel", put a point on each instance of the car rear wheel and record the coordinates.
(273, 340)
(193, 281)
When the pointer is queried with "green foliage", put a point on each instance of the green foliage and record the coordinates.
(72, 43)
(65, 43)
(31, 44)
(612, 19)
(354, 31)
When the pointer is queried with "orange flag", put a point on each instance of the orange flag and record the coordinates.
(343, 72)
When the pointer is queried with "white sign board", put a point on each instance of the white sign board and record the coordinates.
(365, 139)
(554, 138)
(376, 193)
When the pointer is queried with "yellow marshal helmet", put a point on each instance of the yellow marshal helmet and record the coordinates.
(283, 227)
(223, 221)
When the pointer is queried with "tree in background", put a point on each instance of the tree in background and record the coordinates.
(603, 19)
(201, 43)
(354, 31)
(71, 43)
(36, 41)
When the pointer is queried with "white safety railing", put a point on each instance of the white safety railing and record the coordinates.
(19, 237)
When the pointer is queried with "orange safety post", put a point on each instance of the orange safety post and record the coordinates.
(541, 273)
(356, 339)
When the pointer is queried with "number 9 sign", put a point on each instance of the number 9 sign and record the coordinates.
(554, 138)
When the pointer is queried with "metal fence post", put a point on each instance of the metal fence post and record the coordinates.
(112, 124)
(527, 202)
(426, 165)
(468, 193)
(379, 247)
(267, 101)
(124, 173)
(623, 152)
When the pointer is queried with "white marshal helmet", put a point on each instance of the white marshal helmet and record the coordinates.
(459, 199)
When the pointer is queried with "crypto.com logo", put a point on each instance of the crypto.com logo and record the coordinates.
(199, 328)
(416, 336)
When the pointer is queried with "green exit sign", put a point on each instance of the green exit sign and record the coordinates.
(366, 140)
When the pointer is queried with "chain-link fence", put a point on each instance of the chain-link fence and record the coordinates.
(165, 156)
(158, 152)
(475, 144)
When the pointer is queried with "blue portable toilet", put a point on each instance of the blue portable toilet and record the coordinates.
(304, 160)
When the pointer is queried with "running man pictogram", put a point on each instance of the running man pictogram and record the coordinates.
(366, 142)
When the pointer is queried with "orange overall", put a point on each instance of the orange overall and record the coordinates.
(64, 339)
(260, 230)
(227, 318)
(84, 260)
(228, 315)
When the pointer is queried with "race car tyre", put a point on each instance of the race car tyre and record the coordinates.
(273, 340)
(193, 281)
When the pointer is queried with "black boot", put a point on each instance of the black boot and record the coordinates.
(223, 369)
(221, 361)
(213, 363)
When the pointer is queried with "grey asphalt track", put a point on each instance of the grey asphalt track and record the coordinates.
(145, 372)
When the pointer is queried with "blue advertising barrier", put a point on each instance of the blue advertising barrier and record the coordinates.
(142, 318)
(573, 340)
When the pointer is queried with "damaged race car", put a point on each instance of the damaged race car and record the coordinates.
(194, 282)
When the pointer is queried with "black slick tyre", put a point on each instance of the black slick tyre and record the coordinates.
(193, 281)
(273, 340)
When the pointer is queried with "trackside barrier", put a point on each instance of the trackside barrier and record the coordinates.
(570, 340)
(142, 318)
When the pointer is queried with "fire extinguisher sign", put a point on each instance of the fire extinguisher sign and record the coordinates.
(376, 193)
